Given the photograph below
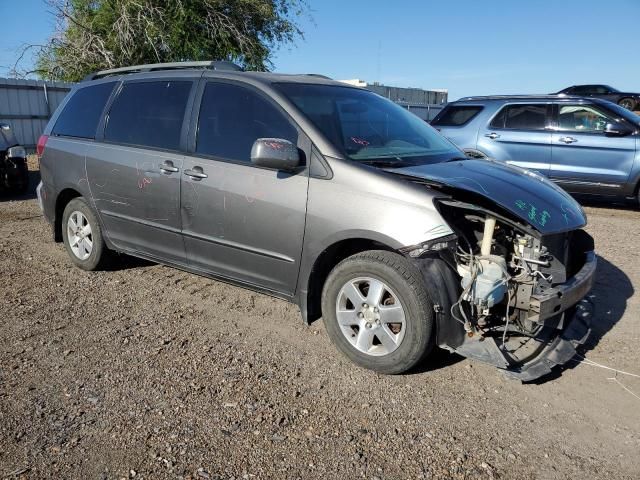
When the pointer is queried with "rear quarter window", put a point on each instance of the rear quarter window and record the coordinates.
(456, 116)
(521, 117)
(82, 112)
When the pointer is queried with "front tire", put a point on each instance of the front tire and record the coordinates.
(378, 313)
(82, 236)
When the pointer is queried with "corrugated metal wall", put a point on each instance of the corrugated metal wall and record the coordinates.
(427, 113)
(424, 103)
(27, 105)
(410, 96)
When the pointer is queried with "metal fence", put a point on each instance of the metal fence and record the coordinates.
(426, 104)
(27, 105)
(409, 95)
(425, 112)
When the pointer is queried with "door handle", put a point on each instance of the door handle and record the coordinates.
(567, 140)
(168, 168)
(492, 135)
(196, 173)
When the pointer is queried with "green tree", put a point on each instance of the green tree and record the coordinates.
(93, 35)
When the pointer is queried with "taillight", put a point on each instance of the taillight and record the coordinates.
(42, 142)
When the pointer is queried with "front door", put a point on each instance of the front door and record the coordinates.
(519, 135)
(134, 169)
(239, 221)
(583, 157)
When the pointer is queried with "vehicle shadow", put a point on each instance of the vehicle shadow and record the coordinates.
(121, 261)
(34, 180)
(608, 300)
(437, 359)
(609, 296)
(598, 202)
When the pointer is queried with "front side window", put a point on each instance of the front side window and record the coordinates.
(368, 128)
(82, 112)
(582, 118)
(581, 90)
(233, 117)
(456, 116)
(149, 114)
(521, 117)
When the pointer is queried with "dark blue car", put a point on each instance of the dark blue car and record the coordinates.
(587, 146)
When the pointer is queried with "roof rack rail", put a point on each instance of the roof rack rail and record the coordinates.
(153, 67)
(517, 97)
(318, 75)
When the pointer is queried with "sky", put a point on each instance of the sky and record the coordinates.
(470, 47)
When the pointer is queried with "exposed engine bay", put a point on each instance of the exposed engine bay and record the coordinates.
(517, 290)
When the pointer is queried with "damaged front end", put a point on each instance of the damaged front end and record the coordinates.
(515, 291)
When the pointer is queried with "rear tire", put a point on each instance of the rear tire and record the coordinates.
(82, 236)
(389, 325)
(627, 103)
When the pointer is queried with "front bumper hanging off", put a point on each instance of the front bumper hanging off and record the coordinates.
(565, 310)
(577, 328)
(562, 297)
(568, 298)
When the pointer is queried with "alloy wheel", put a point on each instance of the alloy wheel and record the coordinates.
(79, 235)
(370, 316)
(626, 103)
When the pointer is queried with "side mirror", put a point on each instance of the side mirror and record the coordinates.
(616, 130)
(275, 153)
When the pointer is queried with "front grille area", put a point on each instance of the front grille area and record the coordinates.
(568, 251)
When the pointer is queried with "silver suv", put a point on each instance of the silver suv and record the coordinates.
(325, 195)
(587, 146)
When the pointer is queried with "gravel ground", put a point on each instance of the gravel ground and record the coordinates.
(148, 372)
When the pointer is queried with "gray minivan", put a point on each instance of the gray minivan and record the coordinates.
(326, 195)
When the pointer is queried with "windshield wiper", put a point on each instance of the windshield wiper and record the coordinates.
(397, 163)
(457, 159)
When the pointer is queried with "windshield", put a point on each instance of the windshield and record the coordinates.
(368, 128)
(628, 115)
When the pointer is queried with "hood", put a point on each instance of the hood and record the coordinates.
(528, 196)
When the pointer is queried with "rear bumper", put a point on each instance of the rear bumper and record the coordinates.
(45, 205)
(39, 194)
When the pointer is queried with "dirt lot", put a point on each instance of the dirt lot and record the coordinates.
(149, 372)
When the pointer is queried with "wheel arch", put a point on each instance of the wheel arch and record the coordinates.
(631, 189)
(62, 200)
(309, 298)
